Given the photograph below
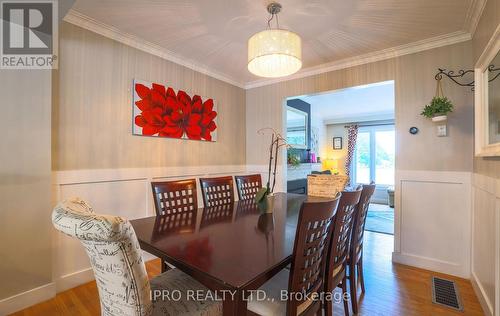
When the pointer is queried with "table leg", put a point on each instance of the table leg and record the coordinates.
(236, 306)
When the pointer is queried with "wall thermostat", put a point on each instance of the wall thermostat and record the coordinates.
(441, 131)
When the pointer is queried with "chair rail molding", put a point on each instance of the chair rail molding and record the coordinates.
(426, 203)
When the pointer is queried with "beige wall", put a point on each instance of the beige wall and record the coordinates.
(92, 120)
(414, 85)
(25, 178)
(337, 130)
(25, 175)
(487, 25)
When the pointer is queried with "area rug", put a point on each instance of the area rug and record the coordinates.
(380, 219)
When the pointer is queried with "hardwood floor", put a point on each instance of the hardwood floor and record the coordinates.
(391, 289)
(394, 289)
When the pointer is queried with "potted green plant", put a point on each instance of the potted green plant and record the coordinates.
(438, 109)
(293, 158)
(265, 196)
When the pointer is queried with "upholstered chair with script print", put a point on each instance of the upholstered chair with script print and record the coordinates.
(120, 273)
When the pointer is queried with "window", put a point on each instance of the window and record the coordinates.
(363, 158)
(374, 155)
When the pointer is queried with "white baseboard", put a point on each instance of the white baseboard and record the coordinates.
(74, 279)
(77, 278)
(26, 299)
(481, 295)
(46, 292)
(430, 264)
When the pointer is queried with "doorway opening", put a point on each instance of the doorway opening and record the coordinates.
(318, 128)
(374, 162)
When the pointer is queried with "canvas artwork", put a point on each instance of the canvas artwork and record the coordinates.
(161, 111)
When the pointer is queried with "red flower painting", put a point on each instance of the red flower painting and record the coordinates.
(160, 111)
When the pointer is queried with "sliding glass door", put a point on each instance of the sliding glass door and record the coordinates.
(374, 155)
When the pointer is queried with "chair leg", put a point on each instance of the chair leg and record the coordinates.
(353, 286)
(319, 312)
(344, 296)
(360, 274)
(328, 306)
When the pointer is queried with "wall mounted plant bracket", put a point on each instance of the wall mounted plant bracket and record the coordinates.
(459, 78)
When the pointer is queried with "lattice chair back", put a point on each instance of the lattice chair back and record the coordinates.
(115, 257)
(310, 251)
(248, 186)
(341, 233)
(356, 245)
(175, 197)
(217, 191)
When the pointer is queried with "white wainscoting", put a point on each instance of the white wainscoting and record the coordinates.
(123, 192)
(485, 261)
(433, 221)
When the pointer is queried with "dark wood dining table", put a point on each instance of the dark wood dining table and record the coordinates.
(230, 248)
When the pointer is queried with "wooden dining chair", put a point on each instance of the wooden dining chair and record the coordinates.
(217, 191)
(248, 186)
(172, 197)
(116, 259)
(336, 275)
(355, 259)
(306, 273)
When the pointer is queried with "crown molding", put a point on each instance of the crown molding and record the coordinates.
(406, 49)
(474, 15)
(76, 18)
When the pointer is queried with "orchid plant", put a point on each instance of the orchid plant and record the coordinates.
(277, 142)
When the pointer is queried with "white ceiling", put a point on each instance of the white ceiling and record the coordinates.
(213, 34)
(362, 103)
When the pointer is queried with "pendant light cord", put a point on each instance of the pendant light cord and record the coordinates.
(270, 19)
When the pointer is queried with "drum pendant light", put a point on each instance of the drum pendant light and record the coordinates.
(274, 52)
